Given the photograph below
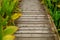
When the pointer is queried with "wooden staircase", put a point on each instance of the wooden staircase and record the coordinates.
(34, 23)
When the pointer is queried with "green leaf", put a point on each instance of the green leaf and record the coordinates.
(54, 0)
(5, 21)
(10, 30)
(8, 37)
(12, 5)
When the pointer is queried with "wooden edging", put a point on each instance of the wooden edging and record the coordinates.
(52, 23)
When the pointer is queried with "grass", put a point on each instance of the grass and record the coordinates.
(54, 8)
(7, 18)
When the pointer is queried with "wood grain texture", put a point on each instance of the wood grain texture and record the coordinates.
(34, 23)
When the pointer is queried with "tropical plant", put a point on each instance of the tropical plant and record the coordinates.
(7, 18)
(54, 9)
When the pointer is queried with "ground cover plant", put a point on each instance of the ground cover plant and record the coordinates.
(7, 18)
(54, 10)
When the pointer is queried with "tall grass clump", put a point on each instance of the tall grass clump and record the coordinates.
(7, 18)
(54, 10)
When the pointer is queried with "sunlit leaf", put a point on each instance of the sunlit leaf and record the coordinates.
(16, 15)
(10, 30)
(42, 2)
(58, 6)
(8, 37)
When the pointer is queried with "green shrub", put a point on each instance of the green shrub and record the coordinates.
(54, 8)
(7, 18)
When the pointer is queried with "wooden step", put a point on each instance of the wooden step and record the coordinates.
(34, 35)
(34, 31)
(33, 13)
(30, 6)
(32, 25)
(48, 38)
(31, 22)
(33, 28)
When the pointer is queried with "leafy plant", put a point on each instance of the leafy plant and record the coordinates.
(7, 18)
(54, 8)
(8, 33)
(10, 30)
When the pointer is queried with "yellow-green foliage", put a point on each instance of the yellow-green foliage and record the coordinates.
(9, 37)
(7, 18)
